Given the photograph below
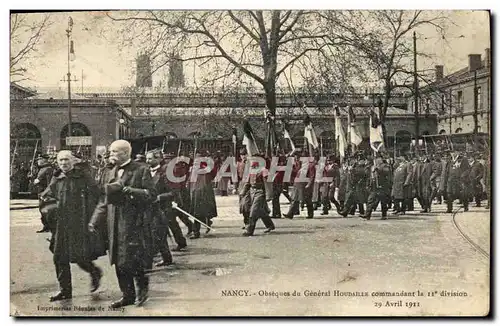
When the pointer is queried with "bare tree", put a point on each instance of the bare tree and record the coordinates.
(383, 40)
(229, 45)
(25, 34)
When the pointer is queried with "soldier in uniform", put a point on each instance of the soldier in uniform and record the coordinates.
(456, 181)
(303, 190)
(178, 190)
(400, 183)
(244, 197)
(41, 182)
(437, 168)
(203, 205)
(476, 174)
(424, 189)
(380, 190)
(328, 194)
(356, 183)
(258, 205)
(160, 212)
(278, 187)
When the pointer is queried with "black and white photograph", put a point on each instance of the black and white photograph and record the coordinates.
(258, 163)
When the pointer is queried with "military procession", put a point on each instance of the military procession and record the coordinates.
(127, 207)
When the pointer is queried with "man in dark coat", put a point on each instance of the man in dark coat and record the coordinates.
(476, 174)
(342, 184)
(379, 186)
(128, 197)
(160, 212)
(456, 181)
(41, 182)
(70, 200)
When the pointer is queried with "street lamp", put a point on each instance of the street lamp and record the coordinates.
(71, 57)
(122, 124)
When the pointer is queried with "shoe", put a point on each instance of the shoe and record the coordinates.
(324, 213)
(209, 224)
(43, 230)
(424, 211)
(247, 234)
(309, 217)
(179, 247)
(466, 209)
(269, 229)
(288, 216)
(195, 236)
(384, 218)
(190, 232)
(164, 263)
(365, 217)
(244, 227)
(96, 280)
(61, 296)
(122, 303)
(276, 216)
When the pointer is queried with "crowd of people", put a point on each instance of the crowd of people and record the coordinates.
(126, 207)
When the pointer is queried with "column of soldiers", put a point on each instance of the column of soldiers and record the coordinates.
(124, 207)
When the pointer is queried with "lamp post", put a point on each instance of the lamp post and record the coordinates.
(121, 130)
(71, 57)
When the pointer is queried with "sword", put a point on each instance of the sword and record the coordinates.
(174, 205)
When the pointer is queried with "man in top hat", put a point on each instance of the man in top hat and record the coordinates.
(41, 182)
(129, 195)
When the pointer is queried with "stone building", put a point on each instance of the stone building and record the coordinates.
(453, 98)
(39, 123)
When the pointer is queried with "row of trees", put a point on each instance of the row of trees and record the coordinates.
(320, 50)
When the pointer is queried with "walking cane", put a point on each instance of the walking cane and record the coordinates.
(174, 205)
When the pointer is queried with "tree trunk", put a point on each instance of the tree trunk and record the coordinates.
(270, 90)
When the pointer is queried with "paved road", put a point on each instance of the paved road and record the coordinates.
(410, 253)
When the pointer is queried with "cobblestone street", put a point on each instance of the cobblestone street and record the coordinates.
(408, 253)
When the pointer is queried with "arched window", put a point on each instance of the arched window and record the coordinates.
(26, 142)
(442, 132)
(459, 130)
(25, 131)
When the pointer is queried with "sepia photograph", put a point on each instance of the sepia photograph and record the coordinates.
(259, 163)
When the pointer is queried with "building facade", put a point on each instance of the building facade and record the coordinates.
(39, 124)
(453, 99)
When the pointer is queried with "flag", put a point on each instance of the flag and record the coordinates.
(355, 135)
(376, 133)
(235, 136)
(271, 139)
(286, 134)
(249, 139)
(309, 133)
(339, 133)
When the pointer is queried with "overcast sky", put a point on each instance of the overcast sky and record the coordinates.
(104, 65)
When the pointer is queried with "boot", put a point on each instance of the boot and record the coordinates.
(61, 295)
(96, 276)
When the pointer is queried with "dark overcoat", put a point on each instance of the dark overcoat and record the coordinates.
(424, 172)
(73, 196)
(203, 205)
(401, 174)
(456, 178)
(125, 215)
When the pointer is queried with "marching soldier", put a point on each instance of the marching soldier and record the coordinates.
(328, 193)
(244, 197)
(278, 187)
(400, 184)
(379, 188)
(437, 168)
(203, 204)
(303, 190)
(356, 186)
(456, 181)
(159, 210)
(178, 190)
(41, 182)
(258, 205)
(476, 174)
